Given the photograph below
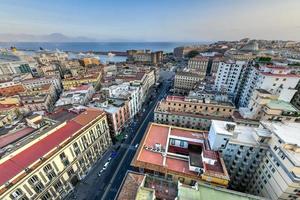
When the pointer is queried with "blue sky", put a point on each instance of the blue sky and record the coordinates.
(154, 20)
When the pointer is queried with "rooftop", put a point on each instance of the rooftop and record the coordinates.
(204, 192)
(159, 134)
(282, 105)
(14, 164)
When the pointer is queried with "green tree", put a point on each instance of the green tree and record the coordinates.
(192, 54)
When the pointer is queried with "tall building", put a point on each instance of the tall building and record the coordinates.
(277, 176)
(50, 162)
(180, 154)
(261, 160)
(199, 65)
(191, 113)
(277, 80)
(242, 148)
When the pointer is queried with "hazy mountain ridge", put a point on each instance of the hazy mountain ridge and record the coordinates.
(54, 37)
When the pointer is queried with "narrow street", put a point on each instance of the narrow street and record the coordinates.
(106, 186)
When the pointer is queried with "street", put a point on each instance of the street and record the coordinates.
(106, 186)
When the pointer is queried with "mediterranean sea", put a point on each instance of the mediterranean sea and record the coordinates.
(96, 46)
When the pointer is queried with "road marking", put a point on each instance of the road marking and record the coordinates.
(125, 155)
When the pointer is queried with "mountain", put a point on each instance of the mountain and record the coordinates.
(53, 37)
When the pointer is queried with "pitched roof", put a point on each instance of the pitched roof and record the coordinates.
(16, 164)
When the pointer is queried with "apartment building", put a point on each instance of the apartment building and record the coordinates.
(80, 95)
(228, 76)
(266, 106)
(93, 79)
(125, 91)
(180, 154)
(10, 88)
(199, 65)
(13, 64)
(191, 113)
(242, 148)
(277, 176)
(117, 112)
(145, 56)
(38, 82)
(50, 162)
(275, 79)
(42, 89)
(185, 81)
(41, 102)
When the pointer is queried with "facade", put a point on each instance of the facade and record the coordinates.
(275, 79)
(38, 82)
(12, 64)
(11, 88)
(228, 76)
(41, 102)
(89, 61)
(51, 164)
(185, 81)
(242, 147)
(199, 65)
(42, 89)
(117, 112)
(191, 113)
(180, 154)
(266, 106)
(277, 176)
(125, 91)
(76, 96)
(145, 56)
(72, 82)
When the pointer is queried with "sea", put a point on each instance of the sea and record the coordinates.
(78, 47)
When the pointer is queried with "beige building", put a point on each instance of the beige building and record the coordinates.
(188, 113)
(265, 106)
(185, 81)
(199, 65)
(50, 163)
(277, 176)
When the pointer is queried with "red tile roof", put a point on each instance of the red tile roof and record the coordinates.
(16, 164)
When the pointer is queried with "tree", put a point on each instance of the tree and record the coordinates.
(192, 54)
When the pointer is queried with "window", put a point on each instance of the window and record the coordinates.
(181, 143)
(58, 186)
(64, 159)
(18, 194)
(49, 171)
(36, 184)
(76, 148)
(172, 141)
(46, 196)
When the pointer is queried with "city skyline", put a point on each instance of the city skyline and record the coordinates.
(154, 21)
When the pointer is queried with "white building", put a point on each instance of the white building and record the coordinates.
(78, 96)
(128, 92)
(278, 175)
(242, 147)
(37, 82)
(275, 79)
(262, 160)
(228, 75)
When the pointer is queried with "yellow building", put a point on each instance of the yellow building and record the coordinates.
(52, 161)
(89, 61)
(93, 79)
(191, 113)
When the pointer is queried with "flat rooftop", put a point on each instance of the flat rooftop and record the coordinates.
(161, 134)
(282, 105)
(209, 192)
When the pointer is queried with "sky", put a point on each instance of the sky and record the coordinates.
(154, 20)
